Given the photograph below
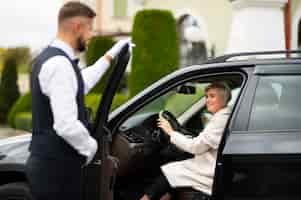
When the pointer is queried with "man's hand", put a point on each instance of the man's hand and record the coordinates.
(93, 149)
(113, 52)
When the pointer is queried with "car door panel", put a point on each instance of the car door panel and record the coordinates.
(263, 166)
(259, 163)
(100, 174)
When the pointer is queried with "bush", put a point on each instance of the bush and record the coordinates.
(23, 121)
(2, 52)
(118, 100)
(92, 101)
(96, 49)
(23, 104)
(9, 91)
(22, 56)
(157, 50)
(18, 120)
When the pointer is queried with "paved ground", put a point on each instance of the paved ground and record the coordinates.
(9, 132)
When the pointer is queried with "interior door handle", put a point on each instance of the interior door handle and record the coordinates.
(97, 162)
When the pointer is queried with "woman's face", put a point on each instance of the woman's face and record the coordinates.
(214, 100)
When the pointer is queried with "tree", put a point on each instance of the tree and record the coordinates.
(96, 49)
(9, 91)
(157, 48)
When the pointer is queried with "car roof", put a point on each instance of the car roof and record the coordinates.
(238, 64)
(256, 55)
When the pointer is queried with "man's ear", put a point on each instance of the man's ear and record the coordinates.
(77, 26)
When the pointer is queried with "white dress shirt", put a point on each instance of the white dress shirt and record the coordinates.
(58, 82)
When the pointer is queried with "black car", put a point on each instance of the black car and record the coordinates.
(259, 156)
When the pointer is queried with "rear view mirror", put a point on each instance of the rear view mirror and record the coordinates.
(186, 89)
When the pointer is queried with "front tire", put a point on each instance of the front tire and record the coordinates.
(15, 191)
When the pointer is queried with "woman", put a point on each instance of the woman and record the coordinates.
(197, 172)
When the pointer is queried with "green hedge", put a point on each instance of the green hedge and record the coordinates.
(92, 101)
(23, 104)
(20, 114)
(118, 100)
(20, 119)
(9, 90)
(23, 121)
(96, 49)
(157, 48)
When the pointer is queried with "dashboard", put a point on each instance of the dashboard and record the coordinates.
(136, 144)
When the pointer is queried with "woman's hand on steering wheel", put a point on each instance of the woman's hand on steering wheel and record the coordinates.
(165, 125)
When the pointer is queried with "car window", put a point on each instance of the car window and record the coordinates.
(183, 101)
(276, 104)
(174, 102)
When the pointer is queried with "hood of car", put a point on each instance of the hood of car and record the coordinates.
(14, 149)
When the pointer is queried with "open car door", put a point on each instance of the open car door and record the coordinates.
(99, 176)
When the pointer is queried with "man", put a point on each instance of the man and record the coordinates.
(61, 143)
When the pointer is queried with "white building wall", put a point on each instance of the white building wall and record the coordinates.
(258, 25)
(111, 23)
(214, 15)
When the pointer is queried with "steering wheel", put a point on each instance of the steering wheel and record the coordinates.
(169, 151)
(161, 137)
(174, 122)
(171, 119)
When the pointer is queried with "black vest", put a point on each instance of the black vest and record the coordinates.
(45, 142)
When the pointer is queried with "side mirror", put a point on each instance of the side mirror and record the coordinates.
(186, 89)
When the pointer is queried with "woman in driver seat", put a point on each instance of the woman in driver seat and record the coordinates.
(196, 172)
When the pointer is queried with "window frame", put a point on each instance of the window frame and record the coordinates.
(164, 88)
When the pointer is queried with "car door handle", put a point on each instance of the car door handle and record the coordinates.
(97, 162)
(239, 177)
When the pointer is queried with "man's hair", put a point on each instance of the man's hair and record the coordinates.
(75, 9)
(223, 87)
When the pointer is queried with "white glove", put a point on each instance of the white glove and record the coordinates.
(113, 52)
(93, 149)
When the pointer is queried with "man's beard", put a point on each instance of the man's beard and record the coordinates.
(80, 45)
